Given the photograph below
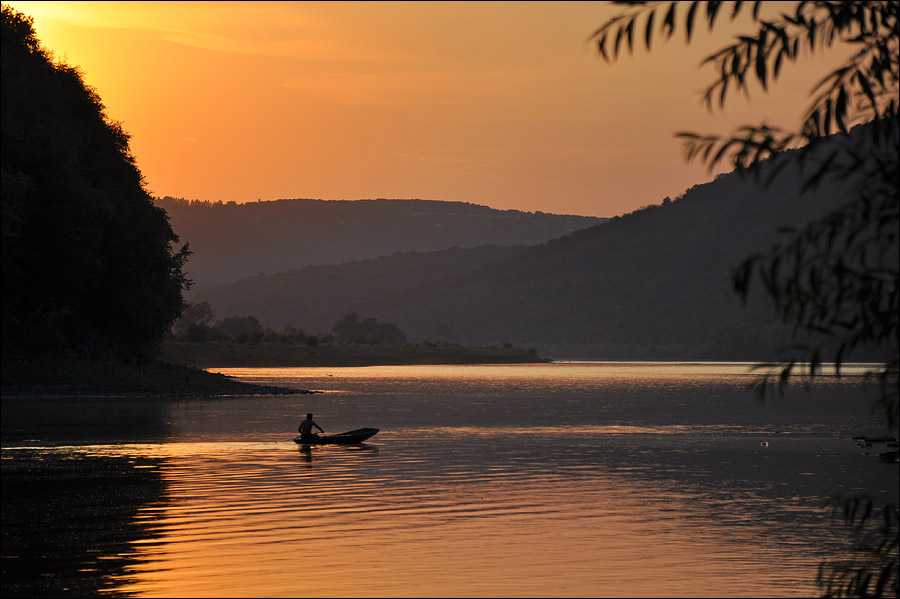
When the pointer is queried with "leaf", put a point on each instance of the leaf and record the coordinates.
(669, 22)
(628, 30)
(601, 47)
(813, 125)
(648, 33)
(840, 108)
(761, 58)
(619, 34)
(826, 123)
(689, 22)
(712, 8)
(736, 63)
(776, 67)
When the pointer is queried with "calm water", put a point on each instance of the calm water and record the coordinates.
(571, 479)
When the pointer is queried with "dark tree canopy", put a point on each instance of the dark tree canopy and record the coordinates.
(88, 263)
(350, 329)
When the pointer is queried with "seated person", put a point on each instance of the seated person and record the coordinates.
(306, 428)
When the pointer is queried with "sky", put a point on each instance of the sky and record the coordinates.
(504, 104)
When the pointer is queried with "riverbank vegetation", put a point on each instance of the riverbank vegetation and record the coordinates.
(271, 354)
(198, 340)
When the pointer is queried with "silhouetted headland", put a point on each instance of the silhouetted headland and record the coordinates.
(68, 377)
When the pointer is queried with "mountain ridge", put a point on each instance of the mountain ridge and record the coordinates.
(232, 241)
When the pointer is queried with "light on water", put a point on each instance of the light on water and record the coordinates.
(542, 480)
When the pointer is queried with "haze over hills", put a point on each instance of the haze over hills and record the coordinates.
(654, 284)
(315, 297)
(233, 241)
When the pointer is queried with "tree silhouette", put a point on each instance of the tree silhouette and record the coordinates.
(836, 277)
(350, 329)
(240, 328)
(88, 265)
(195, 316)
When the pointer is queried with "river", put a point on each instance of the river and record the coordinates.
(544, 480)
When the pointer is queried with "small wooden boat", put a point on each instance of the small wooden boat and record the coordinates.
(350, 437)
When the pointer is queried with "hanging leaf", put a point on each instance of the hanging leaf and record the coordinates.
(601, 47)
(669, 22)
(628, 30)
(712, 8)
(648, 33)
(689, 23)
(776, 66)
(619, 35)
(840, 108)
(761, 58)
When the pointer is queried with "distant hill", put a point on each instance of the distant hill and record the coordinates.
(233, 241)
(315, 297)
(654, 284)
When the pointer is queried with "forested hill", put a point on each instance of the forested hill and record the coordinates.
(654, 284)
(90, 266)
(232, 241)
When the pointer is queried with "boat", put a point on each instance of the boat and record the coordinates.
(349, 438)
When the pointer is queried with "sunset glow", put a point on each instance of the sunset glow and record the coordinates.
(498, 103)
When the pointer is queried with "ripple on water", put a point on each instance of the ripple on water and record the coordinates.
(516, 481)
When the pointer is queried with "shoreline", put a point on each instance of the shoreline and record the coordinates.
(178, 371)
(49, 393)
(273, 355)
(66, 377)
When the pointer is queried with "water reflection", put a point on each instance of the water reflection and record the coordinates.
(581, 512)
(557, 374)
(83, 420)
(72, 523)
(308, 451)
(480, 483)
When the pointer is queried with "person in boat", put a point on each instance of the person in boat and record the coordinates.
(306, 429)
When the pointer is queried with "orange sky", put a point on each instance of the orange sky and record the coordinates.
(496, 103)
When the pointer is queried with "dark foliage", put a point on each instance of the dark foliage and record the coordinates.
(88, 264)
(368, 330)
(872, 571)
(194, 316)
(240, 328)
